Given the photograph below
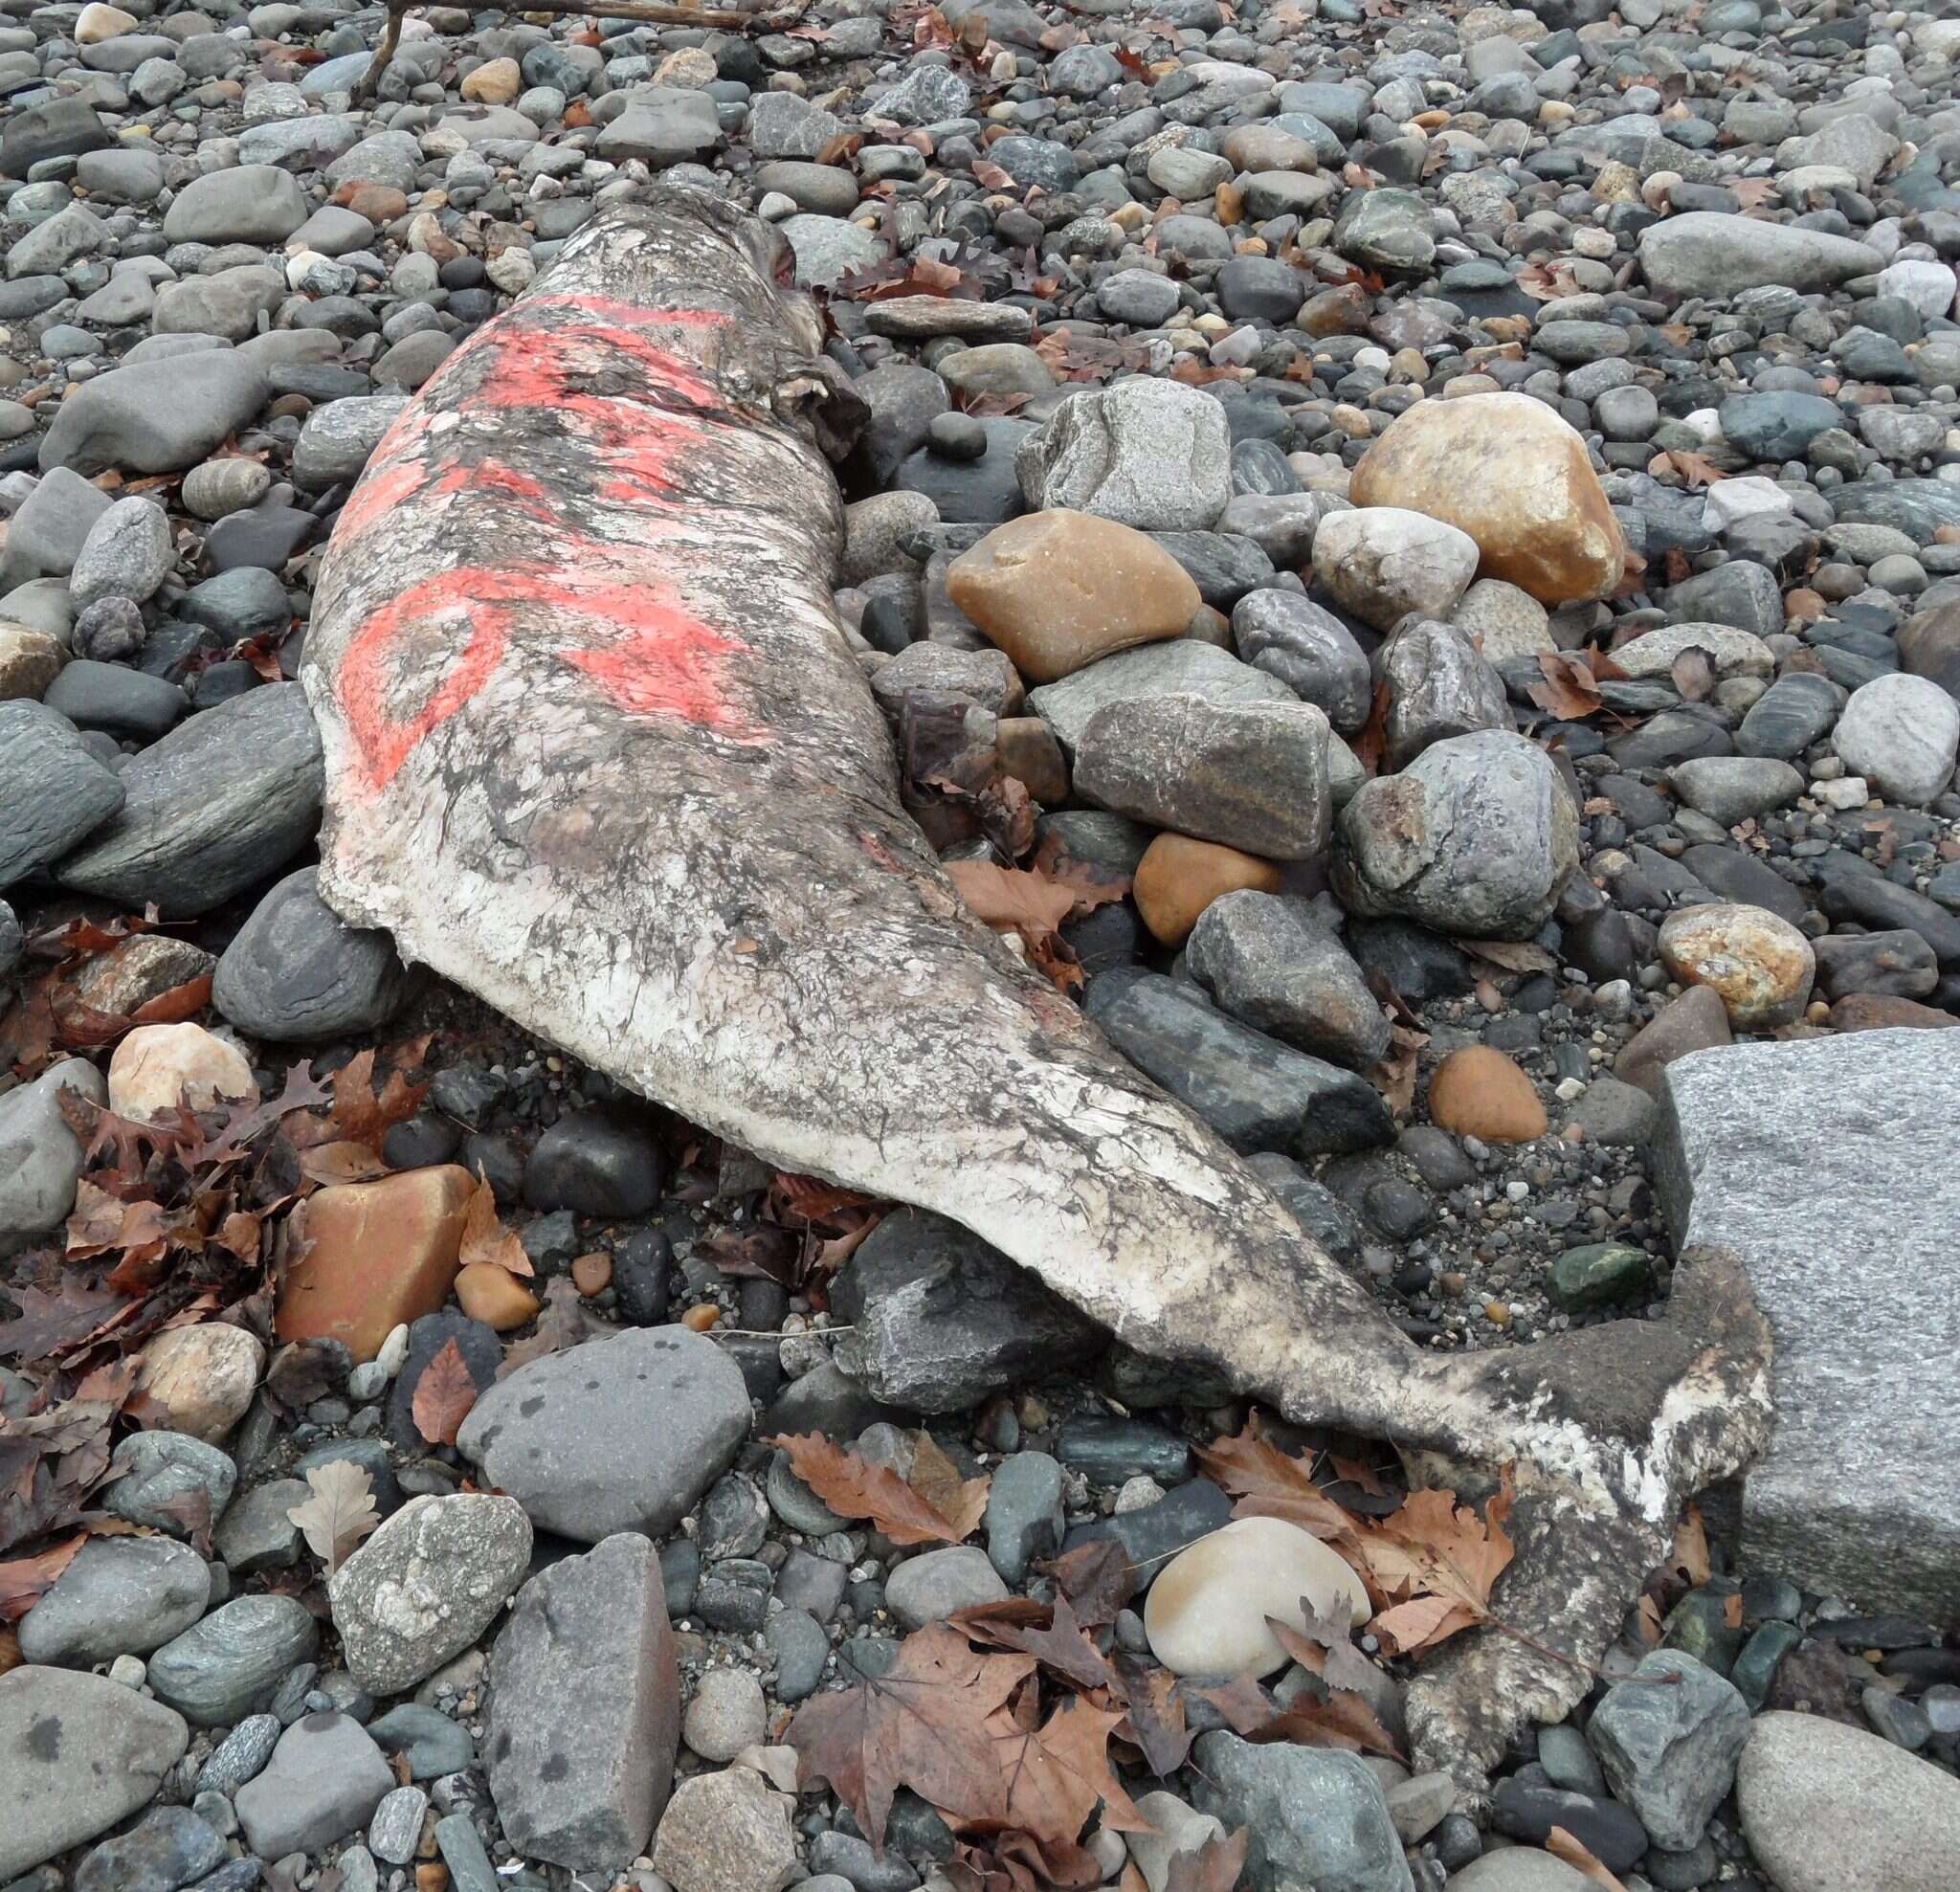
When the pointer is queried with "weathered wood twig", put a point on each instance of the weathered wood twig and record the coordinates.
(598, 751)
(650, 12)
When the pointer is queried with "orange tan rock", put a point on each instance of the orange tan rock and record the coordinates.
(1509, 472)
(1478, 1092)
(1178, 878)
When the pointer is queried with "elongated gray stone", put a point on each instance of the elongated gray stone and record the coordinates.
(120, 1595)
(1832, 1166)
(233, 1661)
(1710, 253)
(584, 1708)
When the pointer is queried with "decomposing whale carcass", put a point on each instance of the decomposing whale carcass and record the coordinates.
(598, 751)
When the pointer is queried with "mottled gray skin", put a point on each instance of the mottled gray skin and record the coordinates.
(680, 854)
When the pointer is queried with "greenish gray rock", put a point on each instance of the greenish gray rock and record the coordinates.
(1601, 1274)
(232, 1662)
(119, 1596)
(1669, 1752)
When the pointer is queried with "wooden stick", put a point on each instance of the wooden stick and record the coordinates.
(650, 12)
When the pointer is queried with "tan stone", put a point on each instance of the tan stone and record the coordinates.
(156, 1066)
(30, 661)
(494, 1296)
(1178, 878)
(1758, 963)
(96, 23)
(199, 1380)
(495, 83)
(1508, 470)
(1207, 1610)
(1885, 1011)
(376, 1255)
(1478, 1092)
(1030, 753)
(593, 1274)
(1056, 591)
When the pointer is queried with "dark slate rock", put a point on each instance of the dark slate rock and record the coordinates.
(223, 801)
(247, 602)
(979, 492)
(1182, 1516)
(427, 1739)
(942, 1320)
(1733, 876)
(601, 1162)
(119, 701)
(482, 1354)
(61, 128)
(294, 971)
(1223, 566)
(1522, 1809)
(53, 788)
(168, 1847)
(1792, 713)
(1919, 507)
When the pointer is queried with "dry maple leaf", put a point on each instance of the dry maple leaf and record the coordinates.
(1212, 1867)
(1055, 1639)
(1567, 689)
(1155, 1723)
(1435, 1561)
(1693, 673)
(1327, 1649)
(1753, 192)
(339, 1513)
(444, 1394)
(1269, 1484)
(1097, 1579)
(921, 1725)
(1010, 896)
(486, 1238)
(1693, 469)
(854, 1487)
(360, 1113)
(1057, 1774)
(341, 1162)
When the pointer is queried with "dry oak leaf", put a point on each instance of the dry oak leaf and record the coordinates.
(1269, 1484)
(1057, 1774)
(921, 1725)
(854, 1487)
(486, 1238)
(1435, 1561)
(339, 1513)
(1567, 690)
(1694, 470)
(444, 1394)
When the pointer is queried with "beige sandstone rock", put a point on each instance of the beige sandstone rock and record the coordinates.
(96, 23)
(1759, 965)
(495, 83)
(200, 1380)
(1056, 591)
(1508, 470)
(157, 1065)
(1206, 1614)
(30, 661)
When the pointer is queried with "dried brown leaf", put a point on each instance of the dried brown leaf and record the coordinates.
(25, 1580)
(854, 1489)
(1212, 1867)
(486, 1238)
(1268, 1483)
(339, 1513)
(1568, 1846)
(444, 1394)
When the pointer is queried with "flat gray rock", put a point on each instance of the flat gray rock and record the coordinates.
(1832, 1166)
(120, 1596)
(78, 1754)
(324, 1780)
(585, 1709)
(296, 970)
(1179, 667)
(156, 416)
(223, 800)
(1713, 252)
(621, 1433)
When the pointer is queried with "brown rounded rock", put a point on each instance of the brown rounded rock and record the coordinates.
(1885, 1011)
(1057, 590)
(1759, 965)
(1695, 1021)
(1478, 1092)
(1178, 878)
(1509, 471)
(494, 1296)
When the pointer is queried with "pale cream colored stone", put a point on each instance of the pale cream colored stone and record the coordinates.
(200, 1380)
(495, 83)
(96, 23)
(1206, 1614)
(1510, 472)
(156, 1066)
(1757, 963)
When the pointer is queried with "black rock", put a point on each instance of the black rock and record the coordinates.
(168, 1847)
(248, 602)
(122, 702)
(266, 535)
(1223, 566)
(981, 492)
(602, 1163)
(734, 1595)
(425, 1140)
(61, 128)
(1733, 876)
(643, 1276)
(1522, 1811)
(1182, 1516)
(1109, 1451)
(1418, 964)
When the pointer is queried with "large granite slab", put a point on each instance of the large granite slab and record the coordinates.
(1831, 1165)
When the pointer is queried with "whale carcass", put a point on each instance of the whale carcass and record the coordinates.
(598, 751)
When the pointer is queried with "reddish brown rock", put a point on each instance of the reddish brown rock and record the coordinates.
(376, 1255)
(494, 1296)
(1759, 963)
(1692, 1022)
(1881, 1011)
(1478, 1092)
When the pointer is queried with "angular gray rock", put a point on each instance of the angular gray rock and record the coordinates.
(1151, 454)
(338, 437)
(1669, 1749)
(168, 1847)
(1258, 1094)
(1179, 667)
(169, 1480)
(128, 554)
(232, 1662)
(1840, 1199)
(41, 1160)
(728, 1832)
(1315, 1816)
(119, 1596)
(1825, 1807)
(585, 1709)
(158, 415)
(929, 1586)
(1273, 963)
(1251, 775)
(1474, 839)
(55, 790)
(295, 970)
(1713, 252)
(621, 1433)
(1309, 649)
(941, 1320)
(223, 800)
(324, 1780)
(50, 527)
(426, 1585)
(78, 1754)
(1438, 687)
